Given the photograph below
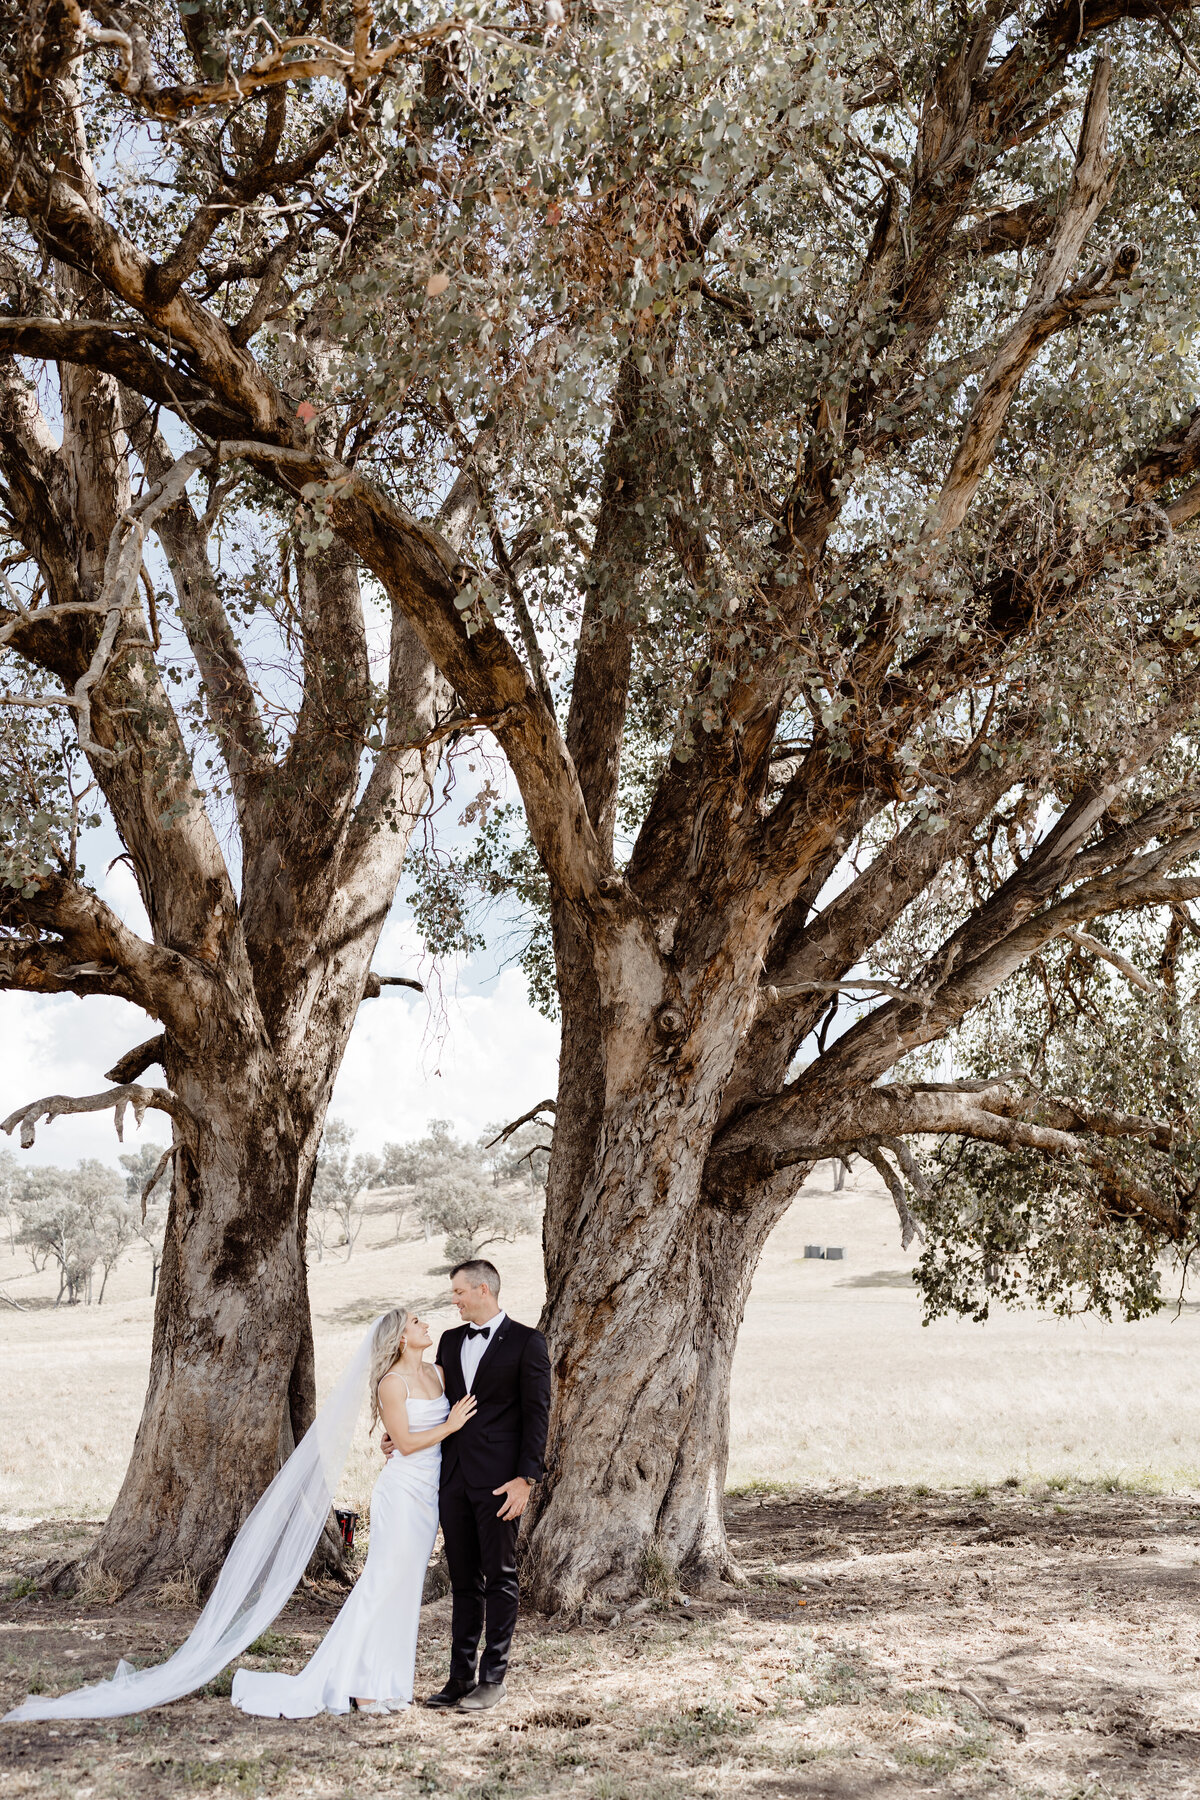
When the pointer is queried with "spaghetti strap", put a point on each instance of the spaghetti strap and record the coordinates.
(441, 1375)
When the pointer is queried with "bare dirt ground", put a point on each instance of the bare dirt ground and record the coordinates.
(887, 1645)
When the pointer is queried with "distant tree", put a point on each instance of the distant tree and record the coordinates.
(9, 1183)
(454, 1189)
(523, 1156)
(412, 1164)
(146, 1165)
(338, 1187)
(78, 1220)
(402, 1165)
(53, 1231)
(473, 1213)
(111, 1216)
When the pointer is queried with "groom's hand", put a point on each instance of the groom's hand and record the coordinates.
(516, 1497)
(387, 1446)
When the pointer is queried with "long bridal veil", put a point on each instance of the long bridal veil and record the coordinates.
(265, 1561)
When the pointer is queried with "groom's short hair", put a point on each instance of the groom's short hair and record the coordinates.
(479, 1273)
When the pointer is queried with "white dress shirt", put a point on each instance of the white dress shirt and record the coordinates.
(470, 1354)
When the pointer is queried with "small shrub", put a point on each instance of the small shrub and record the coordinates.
(704, 1731)
(22, 1588)
(659, 1576)
(823, 1679)
(609, 1787)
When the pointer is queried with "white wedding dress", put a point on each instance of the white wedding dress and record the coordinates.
(371, 1647)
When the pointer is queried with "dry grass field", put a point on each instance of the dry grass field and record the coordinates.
(972, 1559)
(836, 1381)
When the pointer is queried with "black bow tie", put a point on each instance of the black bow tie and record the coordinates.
(474, 1331)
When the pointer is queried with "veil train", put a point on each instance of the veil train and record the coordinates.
(265, 1561)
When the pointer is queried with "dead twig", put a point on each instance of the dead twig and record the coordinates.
(503, 1137)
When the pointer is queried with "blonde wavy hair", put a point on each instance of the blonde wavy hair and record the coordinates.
(387, 1347)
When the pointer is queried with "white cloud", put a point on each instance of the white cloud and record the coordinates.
(474, 1053)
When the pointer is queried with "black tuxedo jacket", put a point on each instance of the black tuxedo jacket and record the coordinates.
(507, 1435)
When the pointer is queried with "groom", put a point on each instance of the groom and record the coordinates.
(488, 1472)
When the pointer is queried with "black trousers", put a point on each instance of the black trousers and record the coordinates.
(481, 1553)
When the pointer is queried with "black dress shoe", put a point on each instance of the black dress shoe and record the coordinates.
(488, 1693)
(450, 1695)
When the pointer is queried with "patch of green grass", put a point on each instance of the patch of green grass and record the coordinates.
(768, 1575)
(22, 1588)
(220, 1688)
(980, 1490)
(927, 1704)
(922, 1490)
(1131, 1482)
(243, 1774)
(823, 1678)
(702, 1732)
(942, 1759)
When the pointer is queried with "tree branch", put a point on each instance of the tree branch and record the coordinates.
(135, 1062)
(377, 983)
(1107, 954)
(1047, 309)
(502, 1137)
(233, 707)
(98, 954)
(119, 1099)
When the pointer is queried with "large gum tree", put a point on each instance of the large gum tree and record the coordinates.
(821, 382)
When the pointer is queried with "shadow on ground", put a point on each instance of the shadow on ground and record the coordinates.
(885, 1646)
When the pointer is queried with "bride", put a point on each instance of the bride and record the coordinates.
(367, 1656)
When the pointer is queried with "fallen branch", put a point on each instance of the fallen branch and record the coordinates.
(985, 1711)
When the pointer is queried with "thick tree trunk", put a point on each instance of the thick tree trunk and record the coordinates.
(231, 1356)
(647, 1291)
